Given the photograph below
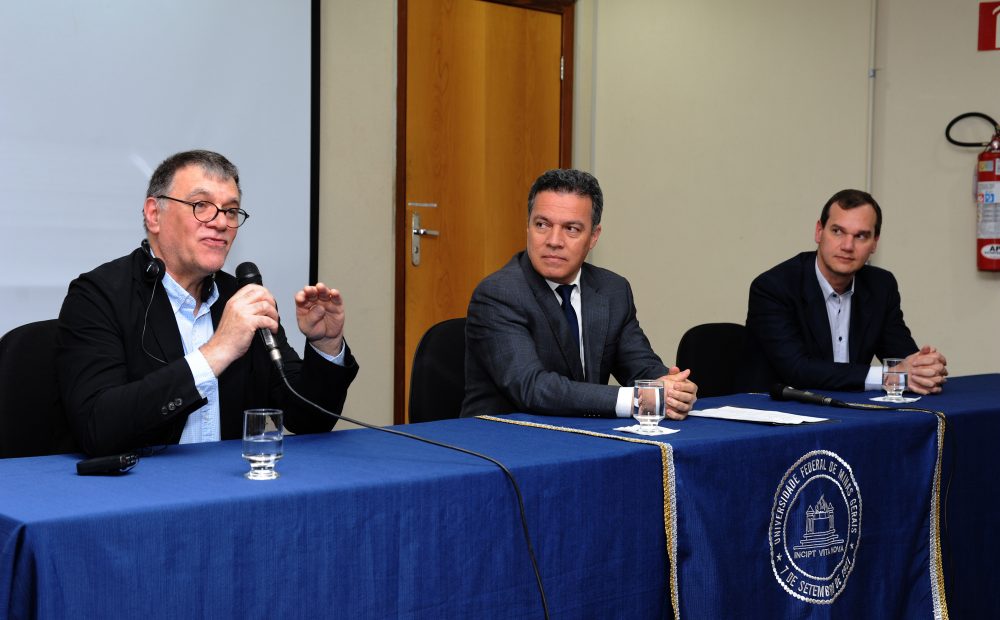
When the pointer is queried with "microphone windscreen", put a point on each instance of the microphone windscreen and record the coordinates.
(778, 392)
(247, 273)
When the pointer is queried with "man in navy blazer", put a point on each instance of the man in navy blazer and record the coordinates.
(818, 319)
(527, 350)
(160, 346)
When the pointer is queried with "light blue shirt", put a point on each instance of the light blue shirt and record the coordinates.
(196, 330)
(838, 311)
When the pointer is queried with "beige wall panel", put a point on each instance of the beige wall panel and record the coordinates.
(357, 160)
(718, 129)
(721, 128)
(930, 72)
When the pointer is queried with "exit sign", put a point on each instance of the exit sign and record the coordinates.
(989, 19)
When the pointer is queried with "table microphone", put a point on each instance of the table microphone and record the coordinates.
(247, 273)
(786, 392)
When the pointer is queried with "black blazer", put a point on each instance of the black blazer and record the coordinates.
(520, 355)
(788, 330)
(118, 397)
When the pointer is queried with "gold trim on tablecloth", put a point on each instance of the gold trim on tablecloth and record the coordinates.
(669, 492)
(940, 602)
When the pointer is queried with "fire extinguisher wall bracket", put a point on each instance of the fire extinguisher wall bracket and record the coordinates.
(962, 117)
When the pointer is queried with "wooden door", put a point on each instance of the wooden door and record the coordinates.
(486, 111)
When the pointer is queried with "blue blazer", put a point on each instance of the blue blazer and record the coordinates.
(788, 330)
(521, 356)
(119, 398)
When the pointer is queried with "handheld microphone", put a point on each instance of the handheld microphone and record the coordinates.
(107, 465)
(247, 273)
(786, 392)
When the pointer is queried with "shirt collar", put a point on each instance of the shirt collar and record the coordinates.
(575, 282)
(180, 299)
(826, 287)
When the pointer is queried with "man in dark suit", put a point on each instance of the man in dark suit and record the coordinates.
(545, 333)
(818, 319)
(159, 346)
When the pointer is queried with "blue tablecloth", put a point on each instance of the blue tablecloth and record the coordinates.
(366, 525)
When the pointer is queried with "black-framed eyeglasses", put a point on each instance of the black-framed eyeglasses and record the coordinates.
(203, 211)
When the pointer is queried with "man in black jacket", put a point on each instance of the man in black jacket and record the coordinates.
(818, 319)
(159, 346)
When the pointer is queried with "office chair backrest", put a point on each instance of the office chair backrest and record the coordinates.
(32, 421)
(437, 381)
(713, 352)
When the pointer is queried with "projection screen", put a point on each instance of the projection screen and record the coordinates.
(93, 95)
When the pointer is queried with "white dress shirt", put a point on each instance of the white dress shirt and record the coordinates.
(623, 407)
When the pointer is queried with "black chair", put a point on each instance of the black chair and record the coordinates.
(32, 421)
(713, 352)
(437, 380)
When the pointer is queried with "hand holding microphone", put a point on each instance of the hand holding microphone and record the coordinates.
(247, 273)
(249, 313)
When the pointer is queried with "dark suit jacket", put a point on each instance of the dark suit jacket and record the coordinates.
(788, 330)
(520, 355)
(119, 398)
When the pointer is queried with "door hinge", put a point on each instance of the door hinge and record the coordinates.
(562, 68)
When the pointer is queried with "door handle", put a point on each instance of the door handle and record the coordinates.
(418, 232)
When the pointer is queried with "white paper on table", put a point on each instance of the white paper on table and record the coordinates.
(652, 430)
(741, 414)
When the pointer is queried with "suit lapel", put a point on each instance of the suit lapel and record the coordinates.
(860, 318)
(161, 337)
(552, 310)
(815, 309)
(596, 312)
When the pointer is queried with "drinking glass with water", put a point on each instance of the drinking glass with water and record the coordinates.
(894, 378)
(647, 403)
(262, 442)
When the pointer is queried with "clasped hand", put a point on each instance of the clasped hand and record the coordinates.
(927, 371)
(679, 392)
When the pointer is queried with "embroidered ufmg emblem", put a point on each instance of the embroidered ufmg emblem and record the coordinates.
(815, 527)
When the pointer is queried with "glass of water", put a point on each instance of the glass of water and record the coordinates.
(893, 379)
(647, 403)
(262, 442)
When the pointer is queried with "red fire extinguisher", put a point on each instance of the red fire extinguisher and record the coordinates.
(987, 191)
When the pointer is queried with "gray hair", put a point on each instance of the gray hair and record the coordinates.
(211, 162)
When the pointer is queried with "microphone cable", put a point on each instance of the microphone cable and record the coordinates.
(145, 317)
(503, 468)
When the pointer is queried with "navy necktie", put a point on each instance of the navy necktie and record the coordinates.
(565, 291)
